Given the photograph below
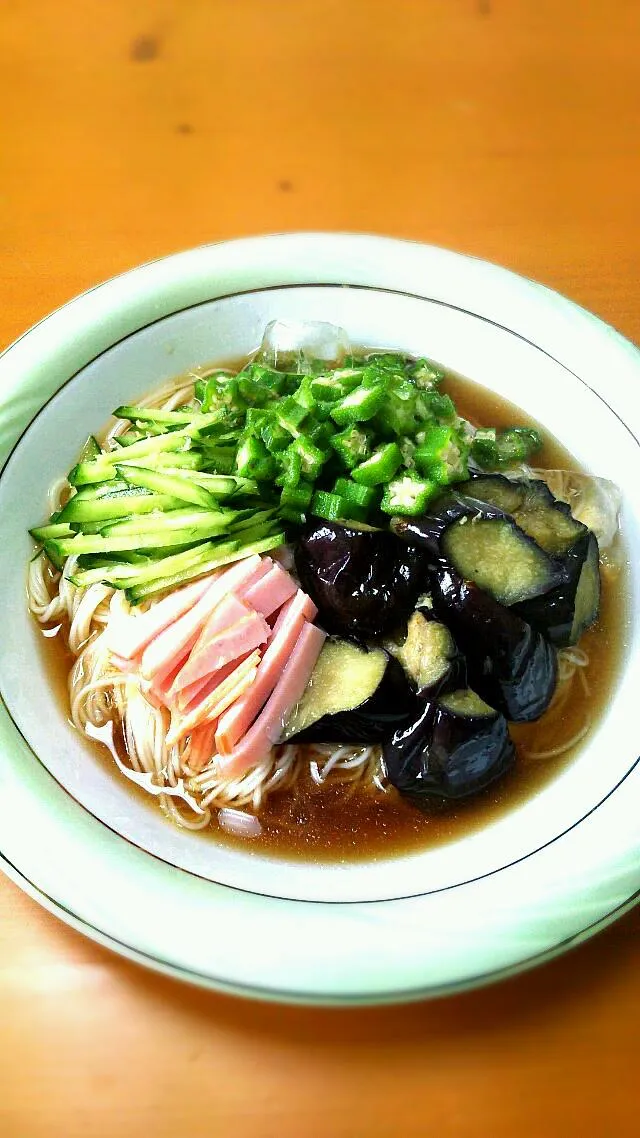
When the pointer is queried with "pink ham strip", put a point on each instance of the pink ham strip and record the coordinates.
(227, 644)
(271, 592)
(128, 636)
(185, 699)
(284, 636)
(267, 728)
(300, 604)
(171, 642)
(223, 695)
(160, 687)
(227, 612)
(201, 747)
(211, 625)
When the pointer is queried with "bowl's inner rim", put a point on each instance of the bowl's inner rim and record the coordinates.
(280, 288)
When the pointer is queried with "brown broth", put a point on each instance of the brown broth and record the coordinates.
(338, 822)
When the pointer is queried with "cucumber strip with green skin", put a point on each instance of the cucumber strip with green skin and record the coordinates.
(156, 415)
(90, 527)
(151, 445)
(95, 490)
(224, 484)
(256, 532)
(124, 504)
(167, 523)
(218, 485)
(253, 518)
(161, 483)
(89, 473)
(107, 560)
(90, 450)
(122, 574)
(55, 557)
(130, 437)
(139, 433)
(139, 592)
(52, 530)
(113, 543)
(169, 567)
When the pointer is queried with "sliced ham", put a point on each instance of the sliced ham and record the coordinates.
(212, 624)
(170, 643)
(299, 603)
(159, 688)
(127, 636)
(227, 644)
(271, 591)
(227, 612)
(268, 726)
(217, 701)
(284, 636)
(201, 747)
(185, 699)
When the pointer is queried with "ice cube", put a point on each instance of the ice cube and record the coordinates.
(295, 344)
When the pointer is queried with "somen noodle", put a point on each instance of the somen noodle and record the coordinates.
(108, 704)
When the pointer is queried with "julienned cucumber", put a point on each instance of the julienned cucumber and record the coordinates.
(168, 485)
(140, 591)
(167, 418)
(123, 504)
(174, 521)
(98, 470)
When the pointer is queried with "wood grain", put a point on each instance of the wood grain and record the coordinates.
(504, 128)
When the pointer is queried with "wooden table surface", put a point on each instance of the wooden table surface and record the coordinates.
(504, 128)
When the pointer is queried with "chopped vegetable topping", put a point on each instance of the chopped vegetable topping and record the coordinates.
(184, 491)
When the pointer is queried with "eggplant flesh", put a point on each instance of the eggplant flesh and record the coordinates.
(428, 530)
(509, 664)
(564, 613)
(484, 543)
(355, 695)
(500, 557)
(571, 604)
(364, 582)
(455, 747)
(429, 656)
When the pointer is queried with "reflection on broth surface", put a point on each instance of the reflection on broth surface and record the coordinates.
(356, 816)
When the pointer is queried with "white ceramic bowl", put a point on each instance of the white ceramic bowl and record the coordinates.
(534, 881)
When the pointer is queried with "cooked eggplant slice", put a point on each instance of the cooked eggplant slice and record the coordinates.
(499, 557)
(364, 582)
(570, 602)
(354, 695)
(428, 530)
(484, 544)
(532, 506)
(593, 501)
(456, 746)
(494, 489)
(509, 664)
(563, 614)
(429, 656)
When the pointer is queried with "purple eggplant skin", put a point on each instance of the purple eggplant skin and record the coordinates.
(427, 530)
(364, 582)
(447, 755)
(555, 614)
(509, 664)
(374, 721)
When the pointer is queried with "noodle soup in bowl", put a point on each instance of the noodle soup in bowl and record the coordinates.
(330, 837)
